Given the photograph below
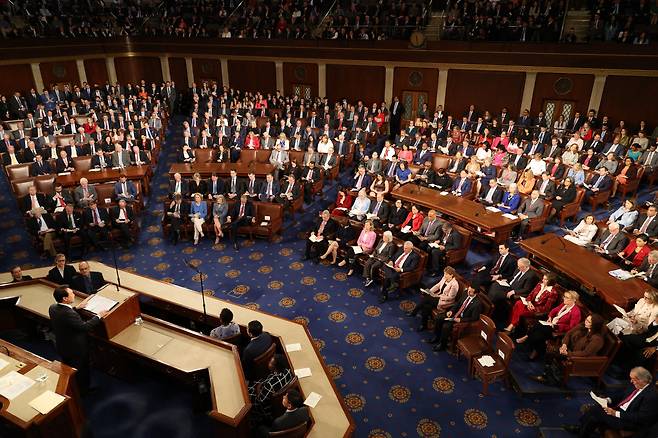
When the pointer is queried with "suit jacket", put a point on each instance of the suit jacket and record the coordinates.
(641, 412)
(652, 228)
(239, 186)
(254, 348)
(329, 228)
(386, 253)
(524, 284)
(255, 187)
(383, 212)
(125, 157)
(471, 312)
(78, 194)
(42, 168)
(466, 186)
(604, 184)
(395, 216)
(183, 184)
(62, 221)
(452, 240)
(531, 210)
(651, 277)
(215, 188)
(495, 198)
(263, 191)
(55, 276)
(290, 419)
(114, 214)
(507, 268)
(130, 186)
(294, 190)
(315, 174)
(432, 232)
(616, 245)
(549, 191)
(33, 226)
(26, 201)
(70, 331)
(97, 281)
(410, 262)
(234, 212)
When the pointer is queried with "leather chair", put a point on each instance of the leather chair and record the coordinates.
(204, 155)
(237, 340)
(45, 184)
(263, 156)
(536, 224)
(487, 309)
(632, 185)
(593, 366)
(293, 432)
(105, 194)
(21, 186)
(456, 256)
(441, 161)
(18, 171)
(298, 156)
(82, 164)
(64, 139)
(247, 156)
(260, 368)
(500, 368)
(476, 340)
(275, 222)
(571, 209)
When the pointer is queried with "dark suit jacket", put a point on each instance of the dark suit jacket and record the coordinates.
(524, 284)
(33, 226)
(43, 169)
(471, 313)
(26, 201)
(183, 184)
(642, 410)
(452, 241)
(70, 331)
(55, 277)
(604, 185)
(114, 214)
(97, 281)
(290, 419)
(395, 216)
(644, 267)
(617, 244)
(88, 216)
(239, 186)
(254, 348)
(383, 212)
(496, 197)
(63, 220)
(410, 262)
(652, 228)
(219, 187)
(234, 212)
(329, 228)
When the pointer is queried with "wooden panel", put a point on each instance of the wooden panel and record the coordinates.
(134, 69)
(356, 82)
(545, 89)
(59, 72)
(16, 77)
(300, 73)
(207, 70)
(416, 79)
(252, 76)
(178, 72)
(627, 98)
(488, 90)
(96, 71)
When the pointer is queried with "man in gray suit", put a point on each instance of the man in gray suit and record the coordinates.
(530, 208)
(611, 241)
(84, 193)
(120, 157)
(546, 187)
(278, 159)
(429, 231)
(649, 159)
(310, 156)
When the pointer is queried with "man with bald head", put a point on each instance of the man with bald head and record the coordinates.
(87, 281)
(84, 193)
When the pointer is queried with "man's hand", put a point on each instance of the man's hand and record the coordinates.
(530, 306)
(648, 352)
(495, 277)
(563, 349)
(610, 411)
(510, 294)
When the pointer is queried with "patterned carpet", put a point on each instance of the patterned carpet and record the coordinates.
(392, 382)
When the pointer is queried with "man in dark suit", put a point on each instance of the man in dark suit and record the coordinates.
(87, 281)
(295, 415)
(177, 212)
(96, 221)
(325, 227)
(242, 213)
(396, 111)
(466, 310)
(632, 411)
(462, 185)
(269, 190)
(122, 217)
(405, 260)
(650, 268)
(61, 273)
(502, 268)
(600, 182)
(379, 210)
(259, 343)
(178, 185)
(531, 208)
(502, 292)
(233, 185)
(70, 224)
(310, 175)
(33, 200)
(491, 194)
(450, 239)
(426, 175)
(251, 186)
(611, 241)
(646, 223)
(289, 192)
(40, 167)
(215, 186)
(71, 334)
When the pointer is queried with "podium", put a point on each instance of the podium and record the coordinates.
(18, 418)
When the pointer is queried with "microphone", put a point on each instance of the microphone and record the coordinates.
(551, 236)
(203, 296)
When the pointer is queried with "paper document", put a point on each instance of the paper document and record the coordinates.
(603, 402)
(371, 216)
(620, 310)
(494, 209)
(443, 193)
(312, 399)
(3, 364)
(406, 229)
(357, 249)
(264, 223)
(97, 304)
(63, 173)
(47, 401)
(95, 169)
(503, 283)
(13, 384)
(313, 238)
(544, 323)
(524, 301)
(293, 347)
(303, 372)
(620, 274)
(510, 216)
(486, 361)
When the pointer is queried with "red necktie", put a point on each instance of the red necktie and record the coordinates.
(467, 301)
(400, 260)
(630, 396)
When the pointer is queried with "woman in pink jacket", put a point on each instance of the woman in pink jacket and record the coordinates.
(364, 244)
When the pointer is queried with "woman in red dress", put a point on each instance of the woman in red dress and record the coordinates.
(343, 203)
(541, 300)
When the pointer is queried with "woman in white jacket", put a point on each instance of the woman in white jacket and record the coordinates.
(638, 319)
(584, 231)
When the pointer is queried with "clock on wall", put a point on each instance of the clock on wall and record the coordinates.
(417, 40)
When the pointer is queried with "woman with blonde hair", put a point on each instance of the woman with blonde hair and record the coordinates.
(219, 213)
(637, 320)
(198, 213)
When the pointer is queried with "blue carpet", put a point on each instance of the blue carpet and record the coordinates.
(392, 382)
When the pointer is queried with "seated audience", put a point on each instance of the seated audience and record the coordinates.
(296, 414)
(87, 281)
(637, 320)
(62, 273)
(635, 252)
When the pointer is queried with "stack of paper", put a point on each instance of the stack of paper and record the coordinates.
(486, 361)
(406, 229)
(47, 401)
(603, 402)
(312, 399)
(357, 249)
(443, 193)
(494, 209)
(97, 304)
(620, 274)
(293, 347)
(13, 384)
(303, 372)
(3, 363)
(510, 216)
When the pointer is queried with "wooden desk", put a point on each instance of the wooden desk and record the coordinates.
(584, 266)
(133, 173)
(470, 214)
(159, 343)
(65, 420)
(187, 170)
(331, 417)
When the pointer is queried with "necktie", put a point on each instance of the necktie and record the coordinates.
(629, 398)
(463, 307)
(289, 189)
(650, 274)
(516, 277)
(596, 184)
(645, 225)
(648, 159)
(269, 189)
(429, 226)
(241, 210)
(125, 216)
(233, 185)
(321, 229)
(96, 221)
(376, 210)
(489, 197)
(88, 286)
(85, 193)
(71, 221)
(391, 170)
(607, 241)
(359, 181)
(497, 265)
(124, 189)
(401, 260)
